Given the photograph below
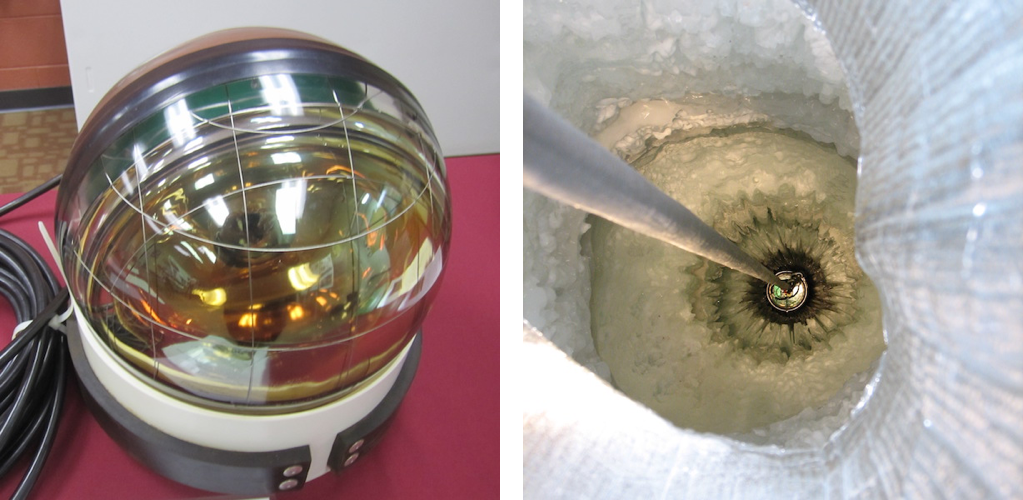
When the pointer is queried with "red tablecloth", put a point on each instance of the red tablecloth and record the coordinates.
(444, 439)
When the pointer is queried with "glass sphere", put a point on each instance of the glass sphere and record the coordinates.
(256, 221)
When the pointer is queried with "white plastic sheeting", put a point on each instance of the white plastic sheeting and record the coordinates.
(937, 92)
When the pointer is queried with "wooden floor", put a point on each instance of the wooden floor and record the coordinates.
(34, 146)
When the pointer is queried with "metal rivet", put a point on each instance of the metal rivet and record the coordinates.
(356, 445)
(293, 471)
(351, 459)
(288, 484)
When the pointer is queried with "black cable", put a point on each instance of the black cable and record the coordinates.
(33, 367)
(31, 195)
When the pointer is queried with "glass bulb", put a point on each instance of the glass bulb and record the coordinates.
(261, 243)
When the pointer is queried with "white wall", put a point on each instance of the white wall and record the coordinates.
(445, 52)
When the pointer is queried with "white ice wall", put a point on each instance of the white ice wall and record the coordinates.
(937, 90)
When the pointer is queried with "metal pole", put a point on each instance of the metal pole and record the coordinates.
(564, 164)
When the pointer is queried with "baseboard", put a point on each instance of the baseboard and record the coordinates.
(35, 98)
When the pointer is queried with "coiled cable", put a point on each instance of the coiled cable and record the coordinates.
(33, 367)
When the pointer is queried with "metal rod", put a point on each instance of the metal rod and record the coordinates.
(564, 164)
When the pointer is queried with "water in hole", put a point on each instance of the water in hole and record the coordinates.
(701, 344)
